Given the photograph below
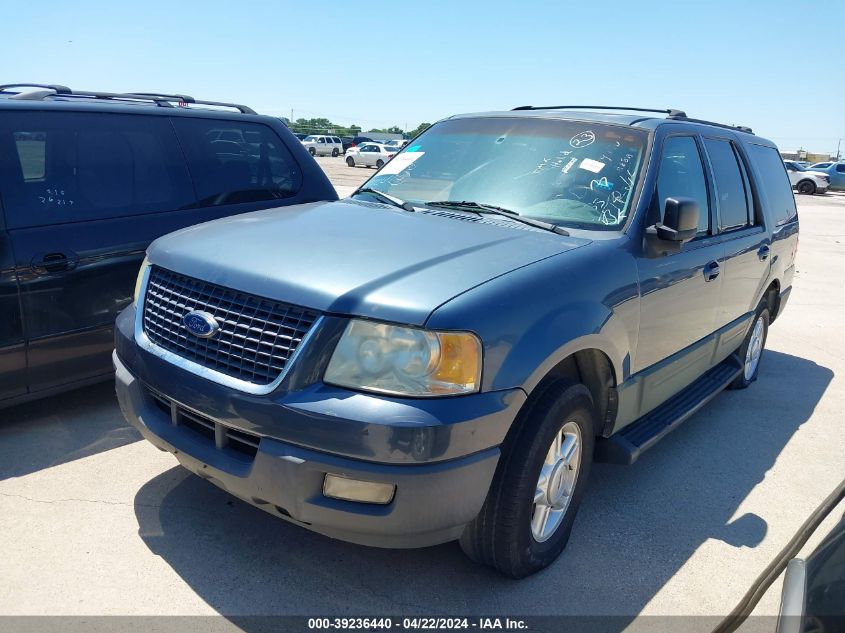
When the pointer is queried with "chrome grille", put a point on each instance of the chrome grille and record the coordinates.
(257, 336)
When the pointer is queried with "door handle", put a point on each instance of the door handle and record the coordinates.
(53, 263)
(711, 271)
(763, 253)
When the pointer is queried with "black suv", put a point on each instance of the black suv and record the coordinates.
(87, 181)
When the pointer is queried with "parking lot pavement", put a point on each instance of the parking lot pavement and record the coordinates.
(345, 179)
(94, 521)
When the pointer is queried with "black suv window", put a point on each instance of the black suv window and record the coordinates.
(225, 172)
(682, 175)
(774, 182)
(730, 187)
(72, 166)
(840, 169)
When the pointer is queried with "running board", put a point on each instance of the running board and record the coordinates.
(628, 444)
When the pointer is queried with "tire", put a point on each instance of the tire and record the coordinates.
(379, 163)
(807, 187)
(350, 161)
(755, 339)
(505, 534)
(335, 152)
(312, 151)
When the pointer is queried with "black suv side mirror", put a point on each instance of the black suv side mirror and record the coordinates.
(680, 225)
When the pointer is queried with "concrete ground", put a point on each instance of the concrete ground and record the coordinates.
(95, 521)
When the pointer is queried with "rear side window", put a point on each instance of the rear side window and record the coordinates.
(682, 175)
(257, 167)
(730, 186)
(774, 182)
(71, 166)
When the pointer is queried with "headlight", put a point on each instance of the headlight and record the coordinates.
(405, 361)
(139, 281)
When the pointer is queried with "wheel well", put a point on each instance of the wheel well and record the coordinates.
(772, 296)
(593, 369)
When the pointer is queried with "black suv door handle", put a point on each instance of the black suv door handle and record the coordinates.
(53, 263)
(763, 253)
(711, 271)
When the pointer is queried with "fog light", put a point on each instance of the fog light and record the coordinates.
(347, 489)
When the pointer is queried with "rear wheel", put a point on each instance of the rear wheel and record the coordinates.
(527, 517)
(379, 163)
(335, 152)
(751, 351)
(350, 161)
(807, 187)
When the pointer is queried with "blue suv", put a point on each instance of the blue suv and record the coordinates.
(445, 353)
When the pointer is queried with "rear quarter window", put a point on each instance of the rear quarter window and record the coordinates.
(774, 183)
(60, 167)
(260, 167)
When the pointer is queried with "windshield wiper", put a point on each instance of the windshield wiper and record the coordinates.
(396, 202)
(490, 208)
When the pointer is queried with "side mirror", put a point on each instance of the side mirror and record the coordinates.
(680, 225)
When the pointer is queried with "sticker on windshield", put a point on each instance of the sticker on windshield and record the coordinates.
(400, 162)
(415, 148)
(569, 165)
(591, 165)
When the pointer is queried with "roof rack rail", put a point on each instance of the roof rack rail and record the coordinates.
(164, 100)
(671, 112)
(58, 89)
(741, 128)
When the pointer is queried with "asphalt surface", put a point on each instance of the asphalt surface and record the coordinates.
(95, 521)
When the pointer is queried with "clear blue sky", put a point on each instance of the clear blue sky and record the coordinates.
(770, 64)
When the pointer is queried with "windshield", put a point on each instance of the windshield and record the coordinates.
(571, 173)
(310, 138)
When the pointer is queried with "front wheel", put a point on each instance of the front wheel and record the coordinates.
(350, 161)
(312, 151)
(807, 187)
(751, 351)
(527, 517)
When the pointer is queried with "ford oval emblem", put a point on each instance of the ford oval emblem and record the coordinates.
(200, 324)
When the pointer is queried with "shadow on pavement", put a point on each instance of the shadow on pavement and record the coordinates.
(61, 429)
(636, 529)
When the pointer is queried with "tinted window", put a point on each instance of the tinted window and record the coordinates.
(225, 172)
(840, 168)
(774, 182)
(682, 175)
(730, 188)
(72, 166)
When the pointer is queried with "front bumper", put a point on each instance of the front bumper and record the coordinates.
(432, 504)
(440, 453)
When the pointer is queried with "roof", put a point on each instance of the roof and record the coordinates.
(639, 117)
(47, 97)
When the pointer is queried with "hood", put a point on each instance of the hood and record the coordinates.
(354, 257)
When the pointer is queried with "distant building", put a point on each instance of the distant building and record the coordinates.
(802, 154)
(383, 136)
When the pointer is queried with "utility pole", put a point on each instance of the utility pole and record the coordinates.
(838, 155)
(291, 115)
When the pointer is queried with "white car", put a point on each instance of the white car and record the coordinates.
(322, 145)
(805, 180)
(396, 145)
(369, 155)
